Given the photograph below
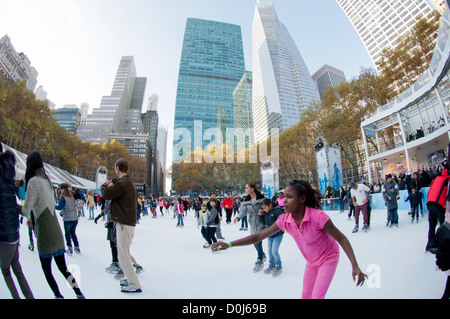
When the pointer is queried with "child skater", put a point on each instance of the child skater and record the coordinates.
(202, 218)
(315, 235)
(391, 197)
(269, 215)
(415, 197)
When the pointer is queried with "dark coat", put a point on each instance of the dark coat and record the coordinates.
(268, 219)
(9, 212)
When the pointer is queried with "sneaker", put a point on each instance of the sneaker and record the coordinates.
(387, 223)
(206, 245)
(130, 289)
(69, 251)
(269, 269)
(365, 227)
(355, 230)
(124, 282)
(77, 250)
(277, 271)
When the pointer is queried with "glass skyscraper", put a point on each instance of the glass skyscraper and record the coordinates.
(282, 85)
(212, 64)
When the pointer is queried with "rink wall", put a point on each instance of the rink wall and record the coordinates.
(377, 201)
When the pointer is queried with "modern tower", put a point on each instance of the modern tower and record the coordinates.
(212, 64)
(282, 85)
(109, 117)
(243, 122)
(119, 116)
(380, 23)
(16, 66)
(327, 76)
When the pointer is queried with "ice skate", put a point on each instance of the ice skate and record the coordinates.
(259, 264)
(269, 269)
(277, 271)
(113, 268)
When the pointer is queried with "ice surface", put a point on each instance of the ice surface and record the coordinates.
(178, 267)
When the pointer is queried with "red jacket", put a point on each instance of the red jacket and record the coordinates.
(438, 189)
(228, 203)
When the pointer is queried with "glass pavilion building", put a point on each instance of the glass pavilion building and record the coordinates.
(212, 64)
(412, 131)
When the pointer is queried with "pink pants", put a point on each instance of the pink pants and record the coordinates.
(317, 280)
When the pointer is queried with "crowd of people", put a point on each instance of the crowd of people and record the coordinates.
(297, 211)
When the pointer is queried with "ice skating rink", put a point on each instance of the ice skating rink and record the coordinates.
(178, 267)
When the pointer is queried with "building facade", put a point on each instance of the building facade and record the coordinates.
(119, 116)
(243, 121)
(109, 117)
(212, 64)
(412, 132)
(282, 85)
(327, 76)
(68, 117)
(379, 24)
(16, 66)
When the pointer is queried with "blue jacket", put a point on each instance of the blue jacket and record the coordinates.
(9, 212)
(415, 198)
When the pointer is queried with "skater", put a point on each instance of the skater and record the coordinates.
(360, 197)
(111, 237)
(91, 204)
(228, 205)
(342, 194)
(415, 197)
(212, 222)
(68, 210)
(40, 205)
(391, 197)
(179, 210)
(441, 247)
(202, 217)
(269, 216)
(315, 235)
(351, 207)
(250, 207)
(9, 230)
(280, 199)
(123, 194)
(436, 202)
(219, 210)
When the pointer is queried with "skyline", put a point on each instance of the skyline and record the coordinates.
(76, 45)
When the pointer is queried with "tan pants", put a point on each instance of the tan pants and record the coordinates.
(125, 236)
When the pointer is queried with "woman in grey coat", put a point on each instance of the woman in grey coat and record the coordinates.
(250, 207)
(40, 205)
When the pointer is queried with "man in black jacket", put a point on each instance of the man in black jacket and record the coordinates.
(9, 227)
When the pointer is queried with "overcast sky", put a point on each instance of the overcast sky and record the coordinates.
(76, 45)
